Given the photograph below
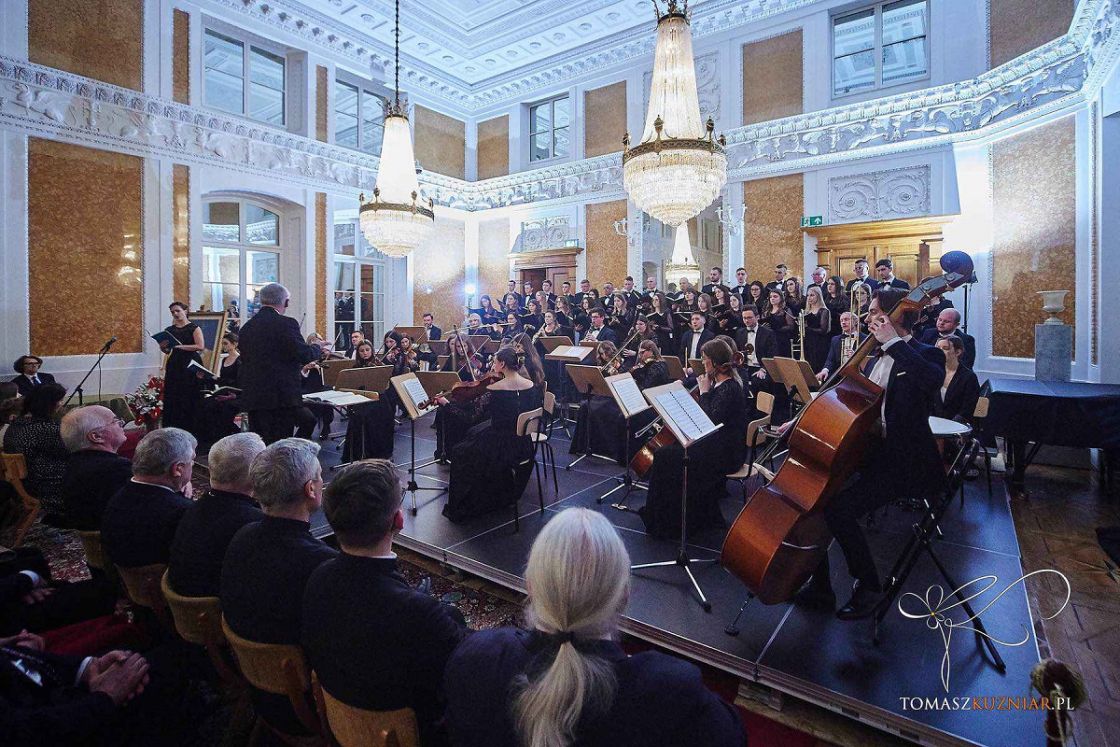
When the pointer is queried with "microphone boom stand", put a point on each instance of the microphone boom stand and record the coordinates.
(96, 364)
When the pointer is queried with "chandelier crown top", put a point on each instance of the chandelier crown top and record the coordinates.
(673, 9)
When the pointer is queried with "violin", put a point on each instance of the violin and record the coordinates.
(780, 536)
(464, 391)
(642, 461)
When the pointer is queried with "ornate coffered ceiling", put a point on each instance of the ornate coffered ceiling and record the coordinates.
(475, 53)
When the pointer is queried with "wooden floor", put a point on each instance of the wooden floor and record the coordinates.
(1055, 520)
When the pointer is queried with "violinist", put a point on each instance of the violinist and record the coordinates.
(311, 381)
(458, 358)
(650, 369)
(721, 397)
(529, 362)
(602, 411)
(369, 431)
(453, 420)
(491, 466)
(901, 461)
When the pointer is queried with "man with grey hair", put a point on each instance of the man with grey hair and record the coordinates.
(94, 471)
(140, 520)
(210, 523)
(273, 353)
(267, 565)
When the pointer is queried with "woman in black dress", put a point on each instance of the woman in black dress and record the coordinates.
(369, 432)
(818, 329)
(452, 421)
(488, 314)
(758, 296)
(661, 321)
(608, 426)
(710, 460)
(37, 435)
(836, 300)
(487, 470)
(778, 319)
(794, 295)
(180, 386)
(961, 389)
(217, 410)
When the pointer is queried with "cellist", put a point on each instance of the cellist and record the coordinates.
(901, 458)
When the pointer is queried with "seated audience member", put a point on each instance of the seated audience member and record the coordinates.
(30, 600)
(36, 436)
(267, 565)
(375, 642)
(961, 389)
(95, 472)
(208, 525)
(140, 520)
(569, 680)
(29, 376)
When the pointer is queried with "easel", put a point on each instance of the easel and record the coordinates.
(411, 392)
(550, 345)
(630, 401)
(588, 380)
(689, 424)
(367, 381)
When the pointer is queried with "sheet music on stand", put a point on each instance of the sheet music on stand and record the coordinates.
(411, 392)
(684, 416)
(337, 399)
(569, 352)
(627, 394)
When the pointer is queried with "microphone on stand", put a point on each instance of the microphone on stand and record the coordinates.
(108, 344)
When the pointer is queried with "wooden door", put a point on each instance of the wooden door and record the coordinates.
(536, 276)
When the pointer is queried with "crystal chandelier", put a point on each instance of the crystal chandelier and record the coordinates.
(396, 221)
(678, 168)
(683, 264)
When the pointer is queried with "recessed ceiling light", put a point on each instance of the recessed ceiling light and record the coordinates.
(535, 45)
(422, 45)
(448, 58)
(585, 27)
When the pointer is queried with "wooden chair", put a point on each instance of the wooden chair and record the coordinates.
(96, 558)
(978, 417)
(529, 423)
(358, 727)
(198, 620)
(23, 514)
(756, 430)
(280, 669)
(543, 437)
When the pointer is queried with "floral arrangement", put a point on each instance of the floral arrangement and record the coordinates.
(146, 402)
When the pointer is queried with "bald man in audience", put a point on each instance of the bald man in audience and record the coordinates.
(948, 324)
(208, 526)
(94, 472)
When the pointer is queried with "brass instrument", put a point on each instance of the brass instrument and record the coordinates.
(848, 346)
(797, 345)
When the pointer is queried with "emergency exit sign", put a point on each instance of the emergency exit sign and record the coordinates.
(812, 220)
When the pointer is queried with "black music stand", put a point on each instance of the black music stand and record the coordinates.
(411, 395)
(630, 401)
(550, 343)
(589, 381)
(365, 381)
(699, 428)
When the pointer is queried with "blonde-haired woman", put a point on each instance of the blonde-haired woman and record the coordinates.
(567, 680)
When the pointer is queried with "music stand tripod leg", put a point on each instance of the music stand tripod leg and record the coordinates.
(625, 480)
(585, 418)
(412, 487)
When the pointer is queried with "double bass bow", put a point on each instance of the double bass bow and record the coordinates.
(780, 536)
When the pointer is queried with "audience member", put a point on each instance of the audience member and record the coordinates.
(36, 436)
(269, 561)
(94, 472)
(569, 680)
(30, 600)
(209, 524)
(29, 376)
(375, 642)
(140, 520)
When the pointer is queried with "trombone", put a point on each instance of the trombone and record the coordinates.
(797, 345)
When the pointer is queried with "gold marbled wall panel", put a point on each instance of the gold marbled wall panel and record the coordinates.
(439, 275)
(773, 80)
(606, 250)
(604, 119)
(100, 39)
(181, 56)
(493, 257)
(321, 229)
(322, 91)
(181, 233)
(1034, 208)
(493, 147)
(84, 246)
(773, 224)
(440, 142)
(1018, 26)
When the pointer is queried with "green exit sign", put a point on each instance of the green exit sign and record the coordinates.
(812, 220)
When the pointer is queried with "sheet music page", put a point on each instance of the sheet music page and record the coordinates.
(573, 351)
(415, 391)
(686, 413)
(629, 395)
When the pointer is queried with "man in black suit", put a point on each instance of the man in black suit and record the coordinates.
(268, 562)
(715, 279)
(375, 642)
(272, 354)
(356, 338)
(584, 290)
(94, 471)
(948, 325)
(31, 600)
(861, 276)
(761, 341)
(599, 332)
(549, 296)
(849, 325)
(633, 298)
(742, 287)
(781, 271)
(27, 366)
(884, 276)
(209, 524)
(566, 292)
(430, 328)
(140, 520)
(694, 338)
(511, 290)
(902, 461)
(820, 274)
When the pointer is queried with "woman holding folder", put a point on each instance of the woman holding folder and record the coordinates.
(180, 385)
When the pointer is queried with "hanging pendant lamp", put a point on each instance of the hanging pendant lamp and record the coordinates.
(396, 221)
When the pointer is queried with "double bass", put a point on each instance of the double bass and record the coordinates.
(780, 536)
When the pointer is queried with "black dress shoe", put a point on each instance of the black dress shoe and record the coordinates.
(816, 596)
(865, 598)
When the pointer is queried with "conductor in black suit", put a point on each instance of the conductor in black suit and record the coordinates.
(902, 460)
(272, 354)
(27, 366)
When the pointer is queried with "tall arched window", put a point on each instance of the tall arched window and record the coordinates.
(240, 255)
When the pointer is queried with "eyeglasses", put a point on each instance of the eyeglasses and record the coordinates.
(114, 421)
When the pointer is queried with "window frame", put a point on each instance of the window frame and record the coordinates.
(243, 246)
(570, 127)
(365, 88)
(376, 261)
(877, 49)
(248, 43)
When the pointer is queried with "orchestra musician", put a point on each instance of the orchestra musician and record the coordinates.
(694, 339)
(780, 321)
(961, 389)
(621, 316)
(903, 461)
(356, 338)
(453, 420)
(218, 408)
(430, 329)
(529, 361)
(599, 332)
(948, 325)
(641, 332)
(842, 346)
(369, 430)
(722, 399)
(311, 381)
(756, 341)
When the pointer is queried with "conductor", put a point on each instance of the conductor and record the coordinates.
(272, 354)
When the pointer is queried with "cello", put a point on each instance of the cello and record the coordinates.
(780, 536)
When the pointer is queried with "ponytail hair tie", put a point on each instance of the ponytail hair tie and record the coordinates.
(562, 637)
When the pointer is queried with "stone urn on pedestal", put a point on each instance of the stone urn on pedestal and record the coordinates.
(1053, 340)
